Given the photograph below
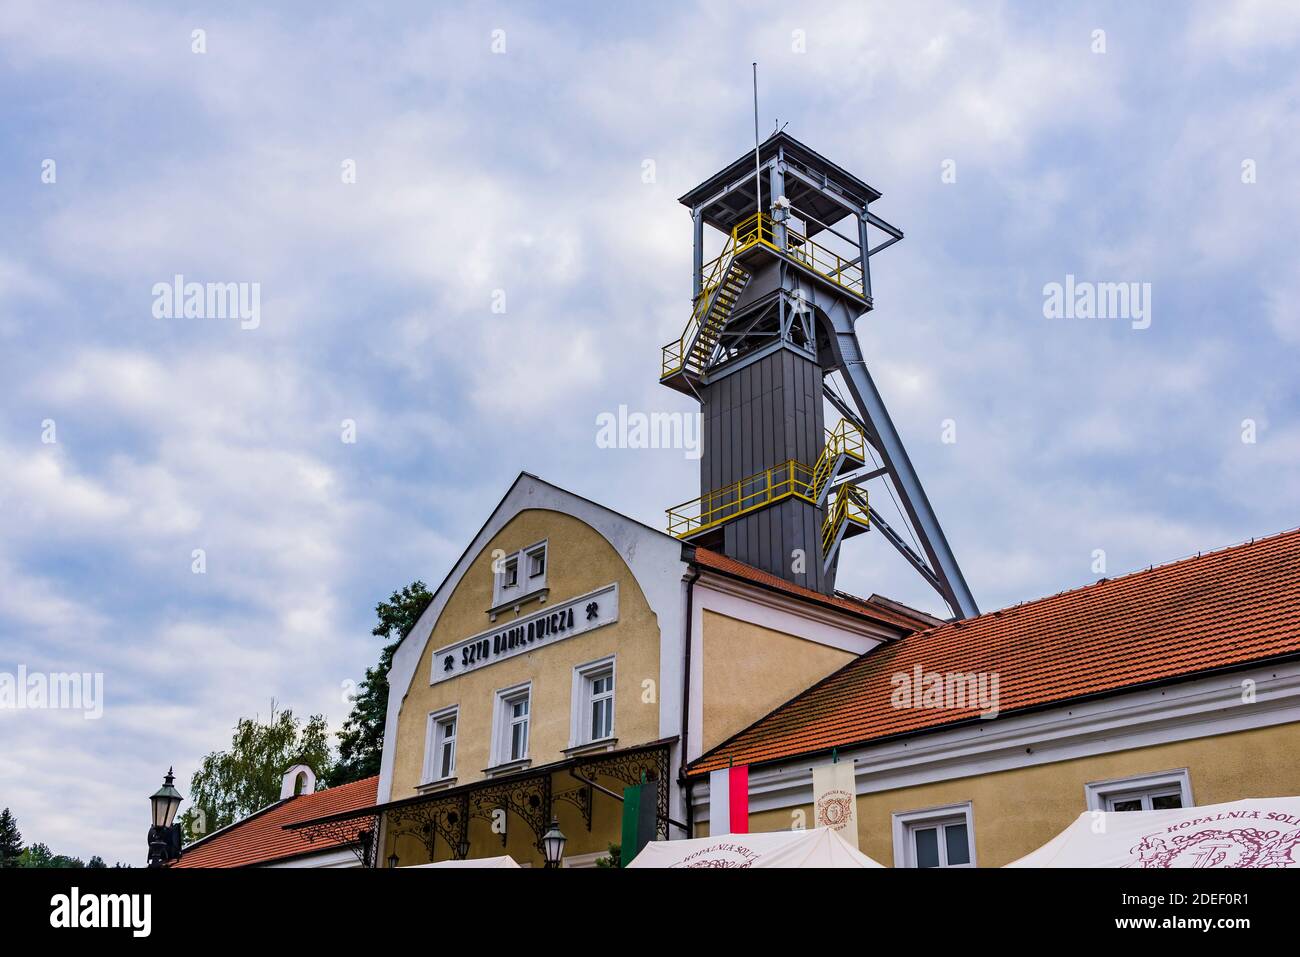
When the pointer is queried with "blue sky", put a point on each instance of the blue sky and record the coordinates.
(522, 171)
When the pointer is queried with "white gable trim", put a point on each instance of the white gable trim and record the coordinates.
(654, 559)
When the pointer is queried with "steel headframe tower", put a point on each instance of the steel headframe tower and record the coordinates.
(772, 322)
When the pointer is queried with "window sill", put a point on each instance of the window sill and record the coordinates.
(591, 747)
(509, 767)
(439, 785)
(516, 603)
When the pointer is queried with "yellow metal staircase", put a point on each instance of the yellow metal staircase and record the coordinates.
(717, 300)
(727, 278)
(843, 443)
(847, 513)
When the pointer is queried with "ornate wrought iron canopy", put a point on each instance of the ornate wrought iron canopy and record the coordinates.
(526, 795)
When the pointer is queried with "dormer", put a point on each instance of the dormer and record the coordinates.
(299, 779)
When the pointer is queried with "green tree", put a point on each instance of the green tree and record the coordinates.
(361, 742)
(234, 783)
(40, 855)
(614, 859)
(95, 863)
(11, 841)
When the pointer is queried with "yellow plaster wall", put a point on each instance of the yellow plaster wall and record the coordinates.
(1018, 810)
(749, 670)
(579, 560)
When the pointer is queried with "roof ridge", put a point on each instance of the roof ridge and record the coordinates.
(1222, 609)
(708, 558)
(1111, 580)
(284, 803)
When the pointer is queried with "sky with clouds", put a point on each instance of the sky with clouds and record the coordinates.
(522, 171)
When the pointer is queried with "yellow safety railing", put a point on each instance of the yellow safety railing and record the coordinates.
(849, 505)
(757, 230)
(790, 478)
(829, 265)
(845, 439)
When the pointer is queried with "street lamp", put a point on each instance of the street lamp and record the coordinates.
(392, 859)
(462, 849)
(553, 845)
(164, 834)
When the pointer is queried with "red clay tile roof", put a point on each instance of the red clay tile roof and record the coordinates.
(261, 837)
(1219, 609)
(891, 614)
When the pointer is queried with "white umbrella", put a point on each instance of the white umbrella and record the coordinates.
(503, 861)
(814, 847)
(1256, 832)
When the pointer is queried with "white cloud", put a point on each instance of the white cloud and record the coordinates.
(523, 173)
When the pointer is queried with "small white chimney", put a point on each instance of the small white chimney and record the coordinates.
(289, 783)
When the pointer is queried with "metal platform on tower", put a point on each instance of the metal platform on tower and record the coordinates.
(772, 320)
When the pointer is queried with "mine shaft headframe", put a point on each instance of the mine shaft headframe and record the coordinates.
(822, 192)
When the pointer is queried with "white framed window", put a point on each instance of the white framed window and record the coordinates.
(536, 562)
(935, 837)
(519, 575)
(440, 745)
(513, 721)
(593, 702)
(1161, 791)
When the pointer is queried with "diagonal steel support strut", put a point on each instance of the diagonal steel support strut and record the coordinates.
(943, 572)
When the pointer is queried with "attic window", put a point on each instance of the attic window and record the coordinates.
(519, 575)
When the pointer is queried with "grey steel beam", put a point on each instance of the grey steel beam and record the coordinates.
(883, 226)
(851, 414)
(698, 255)
(844, 201)
(848, 354)
(906, 550)
(858, 477)
(864, 254)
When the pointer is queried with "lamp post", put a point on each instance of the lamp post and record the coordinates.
(164, 834)
(553, 845)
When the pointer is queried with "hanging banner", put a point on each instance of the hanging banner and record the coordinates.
(835, 803)
(729, 801)
(640, 802)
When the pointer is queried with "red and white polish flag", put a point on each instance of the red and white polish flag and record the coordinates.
(729, 801)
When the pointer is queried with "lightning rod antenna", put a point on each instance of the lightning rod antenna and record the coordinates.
(758, 180)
